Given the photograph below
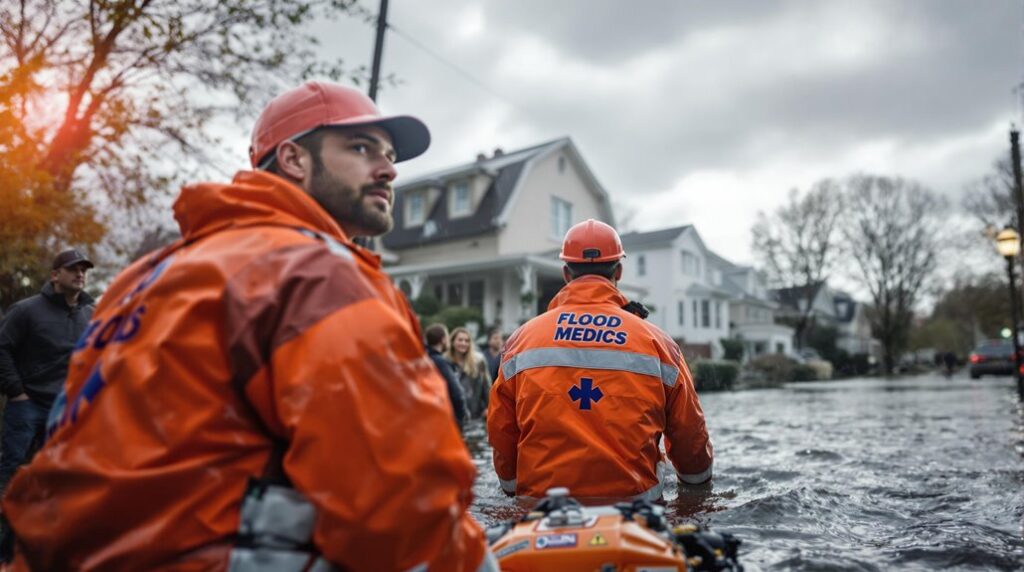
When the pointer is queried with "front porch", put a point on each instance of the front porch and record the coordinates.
(760, 339)
(508, 290)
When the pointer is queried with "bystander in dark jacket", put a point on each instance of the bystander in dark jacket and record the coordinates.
(37, 337)
(437, 343)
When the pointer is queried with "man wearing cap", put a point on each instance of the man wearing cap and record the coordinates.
(36, 338)
(586, 390)
(255, 396)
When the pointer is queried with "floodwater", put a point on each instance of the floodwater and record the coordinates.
(921, 473)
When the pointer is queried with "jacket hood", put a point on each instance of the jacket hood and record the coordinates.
(252, 198)
(588, 290)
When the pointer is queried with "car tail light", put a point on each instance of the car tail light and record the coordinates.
(975, 358)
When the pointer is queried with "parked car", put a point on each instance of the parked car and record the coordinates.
(992, 357)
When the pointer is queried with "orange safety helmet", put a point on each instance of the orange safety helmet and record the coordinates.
(316, 104)
(592, 241)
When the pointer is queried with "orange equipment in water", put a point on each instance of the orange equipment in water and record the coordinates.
(561, 535)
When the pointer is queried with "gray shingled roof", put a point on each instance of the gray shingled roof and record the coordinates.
(652, 238)
(506, 169)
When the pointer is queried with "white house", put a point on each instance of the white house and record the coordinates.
(699, 297)
(688, 304)
(487, 234)
(752, 312)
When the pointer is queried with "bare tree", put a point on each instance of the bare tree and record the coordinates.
(990, 199)
(100, 101)
(796, 244)
(892, 229)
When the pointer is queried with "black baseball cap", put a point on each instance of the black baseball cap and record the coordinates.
(69, 258)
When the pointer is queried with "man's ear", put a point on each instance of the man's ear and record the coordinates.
(293, 161)
(618, 272)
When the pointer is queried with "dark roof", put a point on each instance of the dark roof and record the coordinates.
(652, 238)
(793, 295)
(506, 169)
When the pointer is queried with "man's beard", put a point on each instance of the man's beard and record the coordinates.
(347, 205)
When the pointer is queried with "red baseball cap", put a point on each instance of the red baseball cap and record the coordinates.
(317, 104)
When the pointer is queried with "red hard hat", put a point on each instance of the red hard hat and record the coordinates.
(315, 104)
(591, 241)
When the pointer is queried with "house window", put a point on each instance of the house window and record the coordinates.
(641, 270)
(682, 313)
(454, 294)
(415, 210)
(460, 204)
(691, 264)
(694, 313)
(561, 217)
(705, 313)
(476, 294)
(718, 315)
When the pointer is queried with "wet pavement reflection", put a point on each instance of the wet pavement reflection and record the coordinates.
(865, 474)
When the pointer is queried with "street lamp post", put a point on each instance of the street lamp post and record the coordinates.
(1008, 245)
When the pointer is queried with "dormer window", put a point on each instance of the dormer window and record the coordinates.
(415, 209)
(459, 200)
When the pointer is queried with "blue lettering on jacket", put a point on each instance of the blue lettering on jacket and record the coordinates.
(582, 334)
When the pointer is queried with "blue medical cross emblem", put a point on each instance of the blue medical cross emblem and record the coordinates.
(585, 393)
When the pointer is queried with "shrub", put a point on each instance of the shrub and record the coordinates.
(774, 367)
(456, 316)
(803, 372)
(426, 305)
(713, 375)
(732, 348)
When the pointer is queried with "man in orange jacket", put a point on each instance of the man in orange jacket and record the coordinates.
(586, 390)
(255, 396)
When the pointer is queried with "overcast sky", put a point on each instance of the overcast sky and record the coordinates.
(706, 112)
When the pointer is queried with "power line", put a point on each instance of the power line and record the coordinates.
(454, 67)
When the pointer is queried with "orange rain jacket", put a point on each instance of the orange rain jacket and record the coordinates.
(154, 445)
(585, 392)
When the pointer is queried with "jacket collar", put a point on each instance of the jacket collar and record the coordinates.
(588, 290)
(252, 198)
(51, 294)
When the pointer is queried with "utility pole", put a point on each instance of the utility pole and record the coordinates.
(378, 48)
(1018, 187)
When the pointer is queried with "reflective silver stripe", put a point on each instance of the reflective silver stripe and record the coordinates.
(508, 486)
(332, 244)
(421, 567)
(669, 373)
(697, 478)
(642, 364)
(652, 494)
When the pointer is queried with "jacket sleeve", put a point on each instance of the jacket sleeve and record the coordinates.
(686, 435)
(13, 331)
(370, 437)
(455, 393)
(503, 431)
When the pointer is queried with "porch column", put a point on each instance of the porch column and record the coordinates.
(527, 290)
(416, 282)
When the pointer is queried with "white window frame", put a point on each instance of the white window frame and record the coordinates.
(456, 208)
(560, 217)
(681, 308)
(411, 219)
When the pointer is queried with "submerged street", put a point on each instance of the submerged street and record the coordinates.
(921, 473)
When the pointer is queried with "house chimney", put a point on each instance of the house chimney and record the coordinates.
(498, 152)
(480, 157)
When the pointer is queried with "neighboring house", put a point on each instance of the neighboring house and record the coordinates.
(793, 302)
(487, 234)
(752, 312)
(683, 286)
(854, 328)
